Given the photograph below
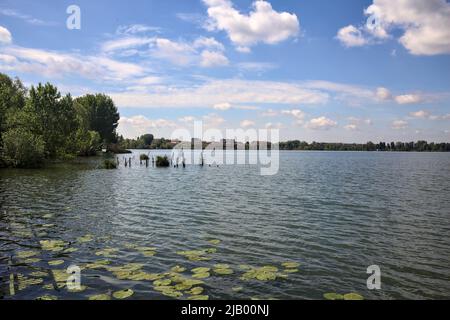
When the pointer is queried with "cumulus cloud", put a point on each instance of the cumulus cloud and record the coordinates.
(321, 123)
(247, 123)
(383, 94)
(222, 106)
(262, 24)
(350, 36)
(425, 25)
(408, 99)
(5, 36)
(299, 115)
(421, 114)
(213, 59)
(399, 124)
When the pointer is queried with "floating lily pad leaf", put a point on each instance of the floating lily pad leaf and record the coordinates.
(48, 225)
(290, 265)
(182, 286)
(223, 271)
(55, 262)
(47, 297)
(123, 294)
(198, 297)
(107, 252)
(162, 282)
(200, 270)
(263, 273)
(85, 238)
(52, 245)
(353, 296)
(290, 270)
(70, 250)
(102, 296)
(201, 275)
(245, 267)
(195, 291)
(172, 293)
(237, 289)
(214, 241)
(333, 296)
(99, 264)
(31, 260)
(77, 289)
(222, 266)
(60, 275)
(178, 269)
(163, 288)
(48, 287)
(130, 245)
(38, 274)
(192, 282)
(47, 216)
(26, 254)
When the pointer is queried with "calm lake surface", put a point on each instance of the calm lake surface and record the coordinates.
(335, 213)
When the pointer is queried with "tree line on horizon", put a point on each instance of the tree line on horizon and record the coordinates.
(39, 124)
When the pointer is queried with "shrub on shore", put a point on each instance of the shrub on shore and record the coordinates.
(144, 157)
(109, 164)
(23, 149)
(162, 161)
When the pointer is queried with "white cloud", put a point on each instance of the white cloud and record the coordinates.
(222, 106)
(213, 59)
(351, 127)
(187, 119)
(135, 29)
(357, 123)
(350, 36)
(212, 120)
(216, 92)
(299, 115)
(256, 66)
(55, 64)
(399, 124)
(25, 17)
(126, 43)
(277, 125)
(408, 99)
(321, 123)
(425, 25)
(139, 125)
(247, 123)
(208, 43)
(5, 36)
(383, 94)
(262, 24)
(421, 114)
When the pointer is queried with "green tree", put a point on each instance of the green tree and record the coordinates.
(23, 149)
(102, 115)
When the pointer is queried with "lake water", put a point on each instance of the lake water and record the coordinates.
(335, 213)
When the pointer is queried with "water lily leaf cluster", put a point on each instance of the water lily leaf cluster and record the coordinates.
(53, 245)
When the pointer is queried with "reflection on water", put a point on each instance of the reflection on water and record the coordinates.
(135, 229)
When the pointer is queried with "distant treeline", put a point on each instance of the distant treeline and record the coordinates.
(419, 146)
(148, 142)
(39, 124)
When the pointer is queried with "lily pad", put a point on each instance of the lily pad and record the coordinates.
(353, 296)
(223, 271)
(201, 275)
(290, 265)
(333, 296)
(123, 294)
(85, 238)
(26, 254)
(290, 270)
(77, 289)
(52, 245)
(102, 296)
(162, 282)
(200, 270)
(177, 269)
(55, 262)
(195, 291)
(107, 252)
(198, 297)
(47, 297)
(214, 241)
(237, 289)
(147, 251)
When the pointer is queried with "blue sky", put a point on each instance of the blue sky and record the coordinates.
(314, 69)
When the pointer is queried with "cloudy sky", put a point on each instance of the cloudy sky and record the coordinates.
(321, 70)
